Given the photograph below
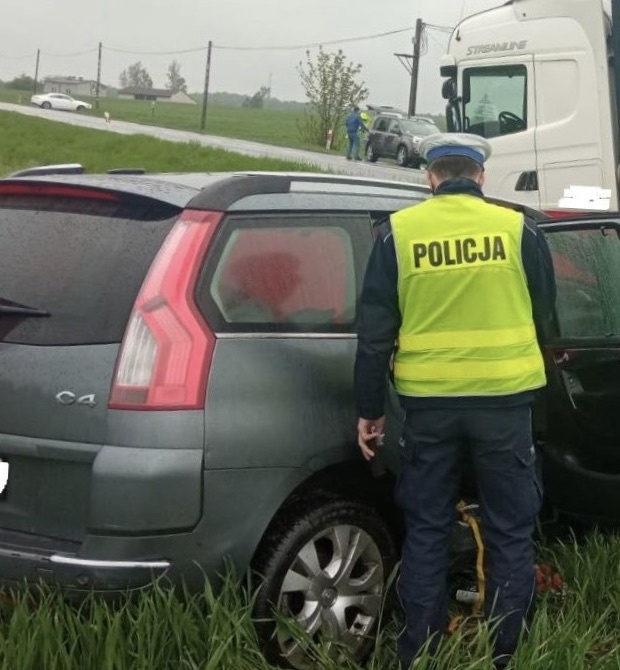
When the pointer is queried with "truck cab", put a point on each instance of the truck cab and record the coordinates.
(534, 77)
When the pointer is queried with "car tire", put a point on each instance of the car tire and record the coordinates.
(46, 105)
(80, 108)
(304, 575)
(402, 156)
(371, 154)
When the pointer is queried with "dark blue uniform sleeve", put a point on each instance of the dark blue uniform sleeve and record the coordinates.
(378, 325)
(538, 266)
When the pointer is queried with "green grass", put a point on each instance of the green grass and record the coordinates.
(278, 127)
(575, 630)
(27, 141)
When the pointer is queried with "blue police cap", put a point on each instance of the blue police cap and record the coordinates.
(455, 144)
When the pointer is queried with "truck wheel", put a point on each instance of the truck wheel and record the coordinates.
(324, 565)
(402, 157)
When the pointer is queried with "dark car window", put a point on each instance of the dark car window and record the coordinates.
(380, 125)
(587, 269)
(82, 261)
(394, 127)
(287, 272)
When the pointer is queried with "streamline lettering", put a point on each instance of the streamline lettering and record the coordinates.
(496, 47)
(475, 250)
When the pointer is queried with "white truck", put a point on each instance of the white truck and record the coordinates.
(538, 79)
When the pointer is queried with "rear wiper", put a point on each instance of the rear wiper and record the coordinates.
(22, 310)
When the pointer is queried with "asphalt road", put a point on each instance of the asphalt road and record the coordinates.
(331, 163)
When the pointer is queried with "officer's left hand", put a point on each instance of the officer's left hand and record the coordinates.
(370, 435)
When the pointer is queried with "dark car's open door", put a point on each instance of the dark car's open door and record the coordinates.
(581, 450)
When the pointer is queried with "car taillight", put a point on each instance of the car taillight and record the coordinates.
(565, 213)
(166, 352)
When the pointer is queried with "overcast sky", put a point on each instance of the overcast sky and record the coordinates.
(68, 31)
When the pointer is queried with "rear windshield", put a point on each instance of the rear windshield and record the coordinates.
(82, 261)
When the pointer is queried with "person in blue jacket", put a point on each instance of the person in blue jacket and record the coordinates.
(353, 125)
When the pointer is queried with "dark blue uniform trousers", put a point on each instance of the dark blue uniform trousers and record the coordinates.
(499, 443)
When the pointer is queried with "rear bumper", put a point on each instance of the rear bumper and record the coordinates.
(19, 565)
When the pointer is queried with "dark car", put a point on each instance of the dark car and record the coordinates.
(176, 383)
(394, 136)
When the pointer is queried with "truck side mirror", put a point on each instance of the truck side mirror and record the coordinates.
(448, 89)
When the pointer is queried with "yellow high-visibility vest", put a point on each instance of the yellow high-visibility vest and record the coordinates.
(467, 326)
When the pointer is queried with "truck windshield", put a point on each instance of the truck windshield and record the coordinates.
(495, 100)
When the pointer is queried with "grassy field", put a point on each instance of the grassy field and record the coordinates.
(575, 630)
(278, 127)
(27, 141)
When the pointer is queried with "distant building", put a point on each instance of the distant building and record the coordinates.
(161, 94)
(74, 86)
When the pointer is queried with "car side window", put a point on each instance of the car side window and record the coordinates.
(283, 273)
(587, 271)
(394, 127)
(381, 125)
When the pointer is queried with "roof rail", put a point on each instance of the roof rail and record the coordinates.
(61, 168)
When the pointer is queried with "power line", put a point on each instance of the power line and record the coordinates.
(71, 55)
(155, 53)
(315, 44)
(463, 2)
(4, 57)
(441, 29)
(172, 52)
(437, 42)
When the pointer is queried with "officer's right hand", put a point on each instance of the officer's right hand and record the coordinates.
(370, 435)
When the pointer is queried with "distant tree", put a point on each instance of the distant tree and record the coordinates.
(135, 76)
(176, 82)
(331, 86)
(21, 83)
(257, 101)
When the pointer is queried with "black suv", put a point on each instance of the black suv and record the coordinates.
(176, 387)
(394, 136)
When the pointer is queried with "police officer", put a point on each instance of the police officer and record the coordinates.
(464, 288)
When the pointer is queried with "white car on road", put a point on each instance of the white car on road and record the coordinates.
(59, 101)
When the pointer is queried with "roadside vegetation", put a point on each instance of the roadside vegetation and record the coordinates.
(270, 126)
(28, 141)
(572, 630)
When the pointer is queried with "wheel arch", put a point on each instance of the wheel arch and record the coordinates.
(239, 531)
(351, 481)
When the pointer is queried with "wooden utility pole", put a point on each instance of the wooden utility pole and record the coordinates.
(203, 121)
(36, 73)
(98, 82)
(415, 66)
